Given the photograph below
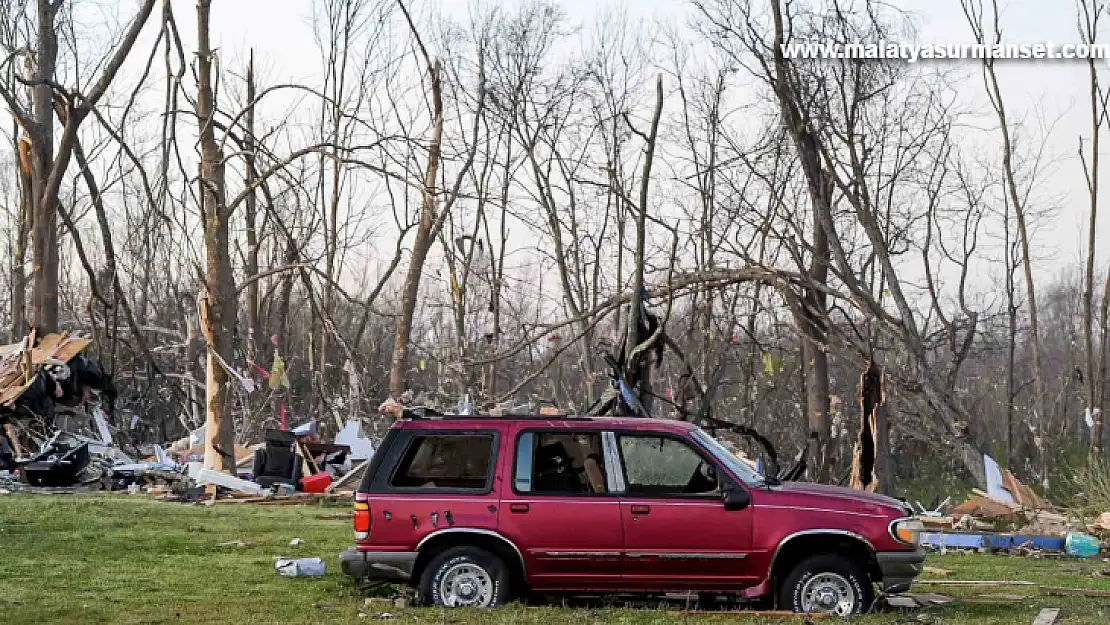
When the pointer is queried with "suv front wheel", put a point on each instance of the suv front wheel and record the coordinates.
(465, 577)
(827, 583)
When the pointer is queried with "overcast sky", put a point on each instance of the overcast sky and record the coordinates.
(1048, 92)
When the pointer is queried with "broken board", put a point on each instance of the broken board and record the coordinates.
(1047, 616)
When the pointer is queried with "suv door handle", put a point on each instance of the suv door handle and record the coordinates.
(641, 509)
(519, 508)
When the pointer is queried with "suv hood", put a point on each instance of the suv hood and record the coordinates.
(841, 498)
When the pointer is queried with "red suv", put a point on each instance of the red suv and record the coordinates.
(473, 511)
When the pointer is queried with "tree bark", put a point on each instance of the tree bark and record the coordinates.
(44, 232)
(25, 218)
(633, 338)
(250, 214)
(398, 371)
(1088, 27)
(218, 304)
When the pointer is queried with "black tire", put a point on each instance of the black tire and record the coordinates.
(790, 592)
(443, 564)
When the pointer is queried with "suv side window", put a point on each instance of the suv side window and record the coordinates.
(565, 463)
(661, 466)
(446, 461)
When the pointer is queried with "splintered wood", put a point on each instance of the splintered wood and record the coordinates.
(19, 362)
(868, 458)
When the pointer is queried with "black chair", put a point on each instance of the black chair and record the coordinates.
(277, 462)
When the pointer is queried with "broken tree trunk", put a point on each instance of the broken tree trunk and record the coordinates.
(398, 371)
(218, 307)
(870, 467)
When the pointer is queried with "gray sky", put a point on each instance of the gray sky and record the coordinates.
(1041, 94)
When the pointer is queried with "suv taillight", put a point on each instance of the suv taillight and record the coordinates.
(362, 521)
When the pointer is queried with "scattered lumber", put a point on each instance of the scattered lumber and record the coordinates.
(749, 613)
(997, 598)
(932, 570)
(348, 481)
(1073, 592)
(974, 582)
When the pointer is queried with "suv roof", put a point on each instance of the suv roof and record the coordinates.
(446, 421)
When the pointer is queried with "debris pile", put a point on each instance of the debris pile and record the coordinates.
(1010, 517)
(53, 399)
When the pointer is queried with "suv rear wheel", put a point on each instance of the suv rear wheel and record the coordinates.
(465, 577)
(827, 583)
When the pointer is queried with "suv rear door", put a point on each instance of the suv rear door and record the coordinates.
(430, 480)
(560, 509)
(677, 533)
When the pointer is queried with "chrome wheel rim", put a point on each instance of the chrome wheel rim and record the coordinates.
(466, 585)
(828, 593)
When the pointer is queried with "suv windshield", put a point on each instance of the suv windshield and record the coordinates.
(725, 457)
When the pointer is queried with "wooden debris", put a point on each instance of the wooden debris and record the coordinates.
(749, 613)
(19, 365)
(998, 598)
(972, 582)
(1073, 592)
(236, 543)
(335, 517)
(350, 479)
(902, 601)
(1101, 525)
(932, 570)
(983, 507)
(939, 522)
(1047, 616)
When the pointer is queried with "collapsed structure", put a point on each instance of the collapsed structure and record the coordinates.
(55, 412)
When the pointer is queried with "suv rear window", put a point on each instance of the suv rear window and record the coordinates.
(445, 461)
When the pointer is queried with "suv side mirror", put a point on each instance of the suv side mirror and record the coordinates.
(736, 498)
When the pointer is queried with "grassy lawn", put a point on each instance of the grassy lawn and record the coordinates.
(120, 559)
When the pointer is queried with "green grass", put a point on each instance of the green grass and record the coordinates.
(119, 559)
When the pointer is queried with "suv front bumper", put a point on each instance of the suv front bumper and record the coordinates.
(378, 565)
(899, 568)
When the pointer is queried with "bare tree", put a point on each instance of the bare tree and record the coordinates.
(1090, 11)
(48, 167)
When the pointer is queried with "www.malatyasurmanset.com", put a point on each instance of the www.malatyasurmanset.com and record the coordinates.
(912, 52)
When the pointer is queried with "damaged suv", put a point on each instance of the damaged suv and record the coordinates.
(474, 511)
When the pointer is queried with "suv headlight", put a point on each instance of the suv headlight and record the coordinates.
(907, 531)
